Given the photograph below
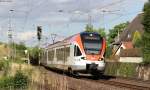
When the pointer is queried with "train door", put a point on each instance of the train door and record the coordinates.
(77, 53)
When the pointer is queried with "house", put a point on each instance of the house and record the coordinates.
(131, 55)
(124, 46)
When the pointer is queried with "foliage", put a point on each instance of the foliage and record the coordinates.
(137, 39)
(18, 49)
(127, 69)
(34, 55)
(117, 29)
(20, 46)
(4, 65)
(6, 82)
(101, 31)
(1, 43)
(112, 34)
(108, 51)
(121, 69)
(20, 60)
(111, 69)
(89, 28)
(18, 81)
(146, 35)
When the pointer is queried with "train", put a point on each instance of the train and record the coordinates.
(82, 53)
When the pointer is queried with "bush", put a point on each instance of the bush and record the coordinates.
(18, 81)
(34, 55)
(111, 68)
(108, 52)
(4, 65)
(6, 82)
(127, 69)
(121, 69)
(146, 35)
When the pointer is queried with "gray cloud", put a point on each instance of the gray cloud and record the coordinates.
(56, 12)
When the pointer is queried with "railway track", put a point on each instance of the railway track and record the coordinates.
(107, 81)
(124, 85)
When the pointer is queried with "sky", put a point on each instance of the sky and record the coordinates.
(61, 17)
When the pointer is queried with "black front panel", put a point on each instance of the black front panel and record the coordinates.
(92, 42)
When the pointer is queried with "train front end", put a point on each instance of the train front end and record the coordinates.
(92, 47)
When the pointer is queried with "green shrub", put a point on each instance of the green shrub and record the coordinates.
(1, 65)
(6, 82)
(18, 81)
(4, 66)
(108, 52)
(111, 68)
(127, 69)
(121, 69)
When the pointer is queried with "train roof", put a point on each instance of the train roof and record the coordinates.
(66, 41)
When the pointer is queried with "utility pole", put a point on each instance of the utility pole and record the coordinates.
(89, 19)
(10, 38)
(89, 14)
(53, 37)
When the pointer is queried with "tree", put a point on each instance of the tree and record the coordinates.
(146, 35)
(137, 39)
(89, 28)
(102, 32)
(18, 49)
(114, 32)
(20, 46)
(34, 55)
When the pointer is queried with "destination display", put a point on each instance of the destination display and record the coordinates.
(91, 37)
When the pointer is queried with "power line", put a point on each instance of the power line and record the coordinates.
(111, 4)
(5, 0)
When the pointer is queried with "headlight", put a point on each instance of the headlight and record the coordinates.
(101, 59)
(84, 58)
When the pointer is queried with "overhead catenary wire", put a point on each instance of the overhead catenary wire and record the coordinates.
(32, 8)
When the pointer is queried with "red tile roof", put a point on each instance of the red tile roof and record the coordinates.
(128, 45)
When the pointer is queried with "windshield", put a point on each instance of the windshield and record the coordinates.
(92, 44)
(92, 47)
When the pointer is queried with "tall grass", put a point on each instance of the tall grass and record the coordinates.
(19, 81)
(26, 77)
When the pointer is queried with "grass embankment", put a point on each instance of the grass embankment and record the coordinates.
(12, 77)
(121, 69)
(3, 50)
(22, 76)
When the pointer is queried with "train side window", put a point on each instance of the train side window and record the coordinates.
(77, 51)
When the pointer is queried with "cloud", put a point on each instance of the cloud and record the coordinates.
(25, 35)
(46, 12)
(60, 1)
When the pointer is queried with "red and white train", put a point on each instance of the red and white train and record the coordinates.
(80, 53)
